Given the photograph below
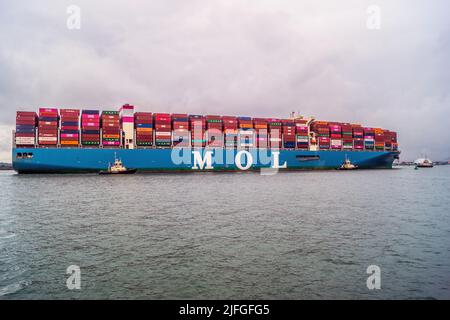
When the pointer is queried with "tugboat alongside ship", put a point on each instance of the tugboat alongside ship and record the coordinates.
(347, 165)
(117, 168)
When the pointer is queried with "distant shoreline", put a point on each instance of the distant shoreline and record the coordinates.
(6, 166)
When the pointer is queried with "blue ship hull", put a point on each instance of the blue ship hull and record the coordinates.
(74, 160)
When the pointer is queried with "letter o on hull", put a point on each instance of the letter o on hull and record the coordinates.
(238, 158)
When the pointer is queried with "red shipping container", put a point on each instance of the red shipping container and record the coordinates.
(69, 119)
(26, 113)
(73, 111)
(184, 126)
(143, 122)
(24, 135)
(180, 115)
(28, 123)
(145, 115)
(163, 127)
(26, 117)
(110, 124)
(162, 119)
(48, 131)
(70, 128)
(162, 115)
(90, 135)
(48, 115)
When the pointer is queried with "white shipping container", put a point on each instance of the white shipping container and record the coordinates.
(25, 140)
(48, 139)
(127, 113)
(336, 142)
(163, 133)
(275, 139)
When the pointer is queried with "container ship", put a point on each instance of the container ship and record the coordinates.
(75, 141)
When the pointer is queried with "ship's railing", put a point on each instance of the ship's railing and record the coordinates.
(37, 146)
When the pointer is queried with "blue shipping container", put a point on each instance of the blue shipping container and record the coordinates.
(22, 130)
(91, 112)
(69, 123)
(48, 119)
(144, 125)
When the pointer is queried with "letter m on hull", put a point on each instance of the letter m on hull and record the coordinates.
(199, 161)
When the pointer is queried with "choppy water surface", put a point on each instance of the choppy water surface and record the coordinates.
(297, 235)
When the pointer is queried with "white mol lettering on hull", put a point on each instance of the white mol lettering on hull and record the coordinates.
(205, 162)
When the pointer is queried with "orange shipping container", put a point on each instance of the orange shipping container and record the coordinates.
(144, 129)
(68, 142)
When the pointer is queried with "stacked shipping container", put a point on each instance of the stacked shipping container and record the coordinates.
(387, 140)
(322, 130)
(347, 136)
(198, 130)
(379, 139)
(246, 134)
(163, 129)
(69, 134)
(394, 141)
(358, 137)
(275, 133)
(369, 139)
(230, 125)
(110, 129)
(261, 132)
(335, 136)
(48, 127)
(302, 134)
(143, 122)
(25, 129)
(288, 134)
(214, 127)
(90, 127)
(181, 135)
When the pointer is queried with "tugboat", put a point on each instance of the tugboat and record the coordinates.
(117, 168)
(347, 165)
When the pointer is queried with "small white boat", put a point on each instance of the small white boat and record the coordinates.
(424, 163)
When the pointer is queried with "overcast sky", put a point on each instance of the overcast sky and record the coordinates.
(255, 58)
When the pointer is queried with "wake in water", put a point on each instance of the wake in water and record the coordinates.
(14, 287)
